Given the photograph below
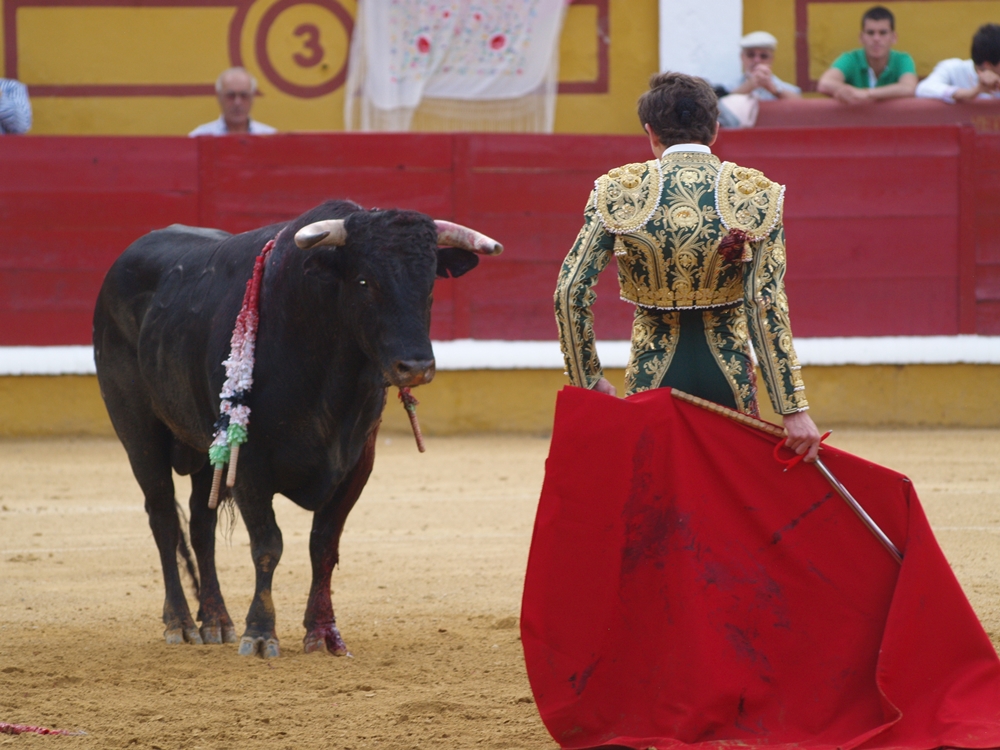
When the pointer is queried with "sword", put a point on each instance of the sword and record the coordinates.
(776, 431)
(862, 514)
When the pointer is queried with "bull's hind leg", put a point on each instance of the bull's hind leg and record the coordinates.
(216, 624)
(149, 454)
(147, 442)
(322, 633)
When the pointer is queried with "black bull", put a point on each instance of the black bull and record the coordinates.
(337, 326)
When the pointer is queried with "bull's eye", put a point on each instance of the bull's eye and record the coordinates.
(362, 282)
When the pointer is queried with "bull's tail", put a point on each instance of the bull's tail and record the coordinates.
(184, 550)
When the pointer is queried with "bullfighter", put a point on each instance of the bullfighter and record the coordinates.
(700, 249)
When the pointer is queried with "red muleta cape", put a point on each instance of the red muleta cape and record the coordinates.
(682, 590)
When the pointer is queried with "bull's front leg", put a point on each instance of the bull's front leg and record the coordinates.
(324, 551)
(265, 547)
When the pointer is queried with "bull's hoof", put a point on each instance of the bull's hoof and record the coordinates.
(325, 639)
(259, 646)
(175, 636)
(216, 634)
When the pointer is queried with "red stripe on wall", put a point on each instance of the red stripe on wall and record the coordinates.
(882, 237)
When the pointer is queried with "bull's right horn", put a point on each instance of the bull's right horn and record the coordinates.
(329, 232)
(455, 235)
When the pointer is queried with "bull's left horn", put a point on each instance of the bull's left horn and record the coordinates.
(329, 232)
(455, 235)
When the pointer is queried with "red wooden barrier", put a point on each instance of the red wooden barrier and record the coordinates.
(68, 207)
(891, 231)
(872, 222)
(986, 215)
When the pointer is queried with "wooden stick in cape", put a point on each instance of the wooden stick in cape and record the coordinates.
(776, 431)
(725, 411)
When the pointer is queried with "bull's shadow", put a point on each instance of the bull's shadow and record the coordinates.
(344, 312)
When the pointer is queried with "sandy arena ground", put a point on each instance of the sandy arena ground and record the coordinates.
(427, 598)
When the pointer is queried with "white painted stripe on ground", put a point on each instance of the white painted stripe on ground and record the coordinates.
(471, 354)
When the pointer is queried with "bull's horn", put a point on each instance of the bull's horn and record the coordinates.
(455, 235)
(329, 232)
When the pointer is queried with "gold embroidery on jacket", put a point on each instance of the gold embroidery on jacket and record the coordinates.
(652, 350)
(727, 339)
(671, 262)
(747, 200)
(626, 196)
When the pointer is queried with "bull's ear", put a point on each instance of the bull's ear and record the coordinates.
(453, 261)
(322, 263)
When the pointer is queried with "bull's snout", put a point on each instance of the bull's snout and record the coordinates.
(410, 372)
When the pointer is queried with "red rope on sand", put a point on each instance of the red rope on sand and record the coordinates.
(6, 728)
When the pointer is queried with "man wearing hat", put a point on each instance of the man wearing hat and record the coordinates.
(757, 56)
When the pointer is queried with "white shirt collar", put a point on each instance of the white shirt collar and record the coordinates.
(700, 148)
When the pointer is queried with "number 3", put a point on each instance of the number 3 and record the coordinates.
(311, 43)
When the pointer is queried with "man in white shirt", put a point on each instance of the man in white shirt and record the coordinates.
(757, 56)
(15, 107)
(235, 89)
(957, 80)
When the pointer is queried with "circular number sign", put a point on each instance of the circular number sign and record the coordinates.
(302, 46)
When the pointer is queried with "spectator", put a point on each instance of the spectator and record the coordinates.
(957, 80)
(757, 56)
(15, 107)
(876, 71)
(235, 90)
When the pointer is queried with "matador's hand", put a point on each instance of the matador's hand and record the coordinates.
(803, 436)
(603, 386)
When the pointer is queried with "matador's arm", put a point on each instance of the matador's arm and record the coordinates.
(770, 328)
(574, 295)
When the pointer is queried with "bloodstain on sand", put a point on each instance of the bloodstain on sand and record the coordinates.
(428, 593)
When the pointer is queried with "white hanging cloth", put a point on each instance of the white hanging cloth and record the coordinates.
(702, 38)
(454, 65)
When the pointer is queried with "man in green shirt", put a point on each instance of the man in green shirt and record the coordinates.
(876, 71)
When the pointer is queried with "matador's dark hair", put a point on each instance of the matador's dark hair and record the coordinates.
(680, 109)
(879, 13)
(986, 45)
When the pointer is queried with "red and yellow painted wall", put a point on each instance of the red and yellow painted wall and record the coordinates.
(147, 67)
(895, 231)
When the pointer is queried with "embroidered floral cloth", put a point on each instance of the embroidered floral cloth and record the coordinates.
(458, 49)
(682, 590)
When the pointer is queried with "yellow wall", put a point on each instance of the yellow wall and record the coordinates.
(114, 45)
(523, 400)
(105, 45)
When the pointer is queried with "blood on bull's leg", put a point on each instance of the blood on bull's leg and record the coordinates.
(216, 624)
(265, 547)
(322, 633)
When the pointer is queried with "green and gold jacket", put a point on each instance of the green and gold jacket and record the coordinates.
(663, 221)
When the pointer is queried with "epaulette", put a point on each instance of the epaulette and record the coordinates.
(626, 197)
(747, 201)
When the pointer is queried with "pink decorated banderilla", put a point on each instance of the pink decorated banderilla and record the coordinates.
(234, 413)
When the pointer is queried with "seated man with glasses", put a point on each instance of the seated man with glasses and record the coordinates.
(757, 56)
(235, 90)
